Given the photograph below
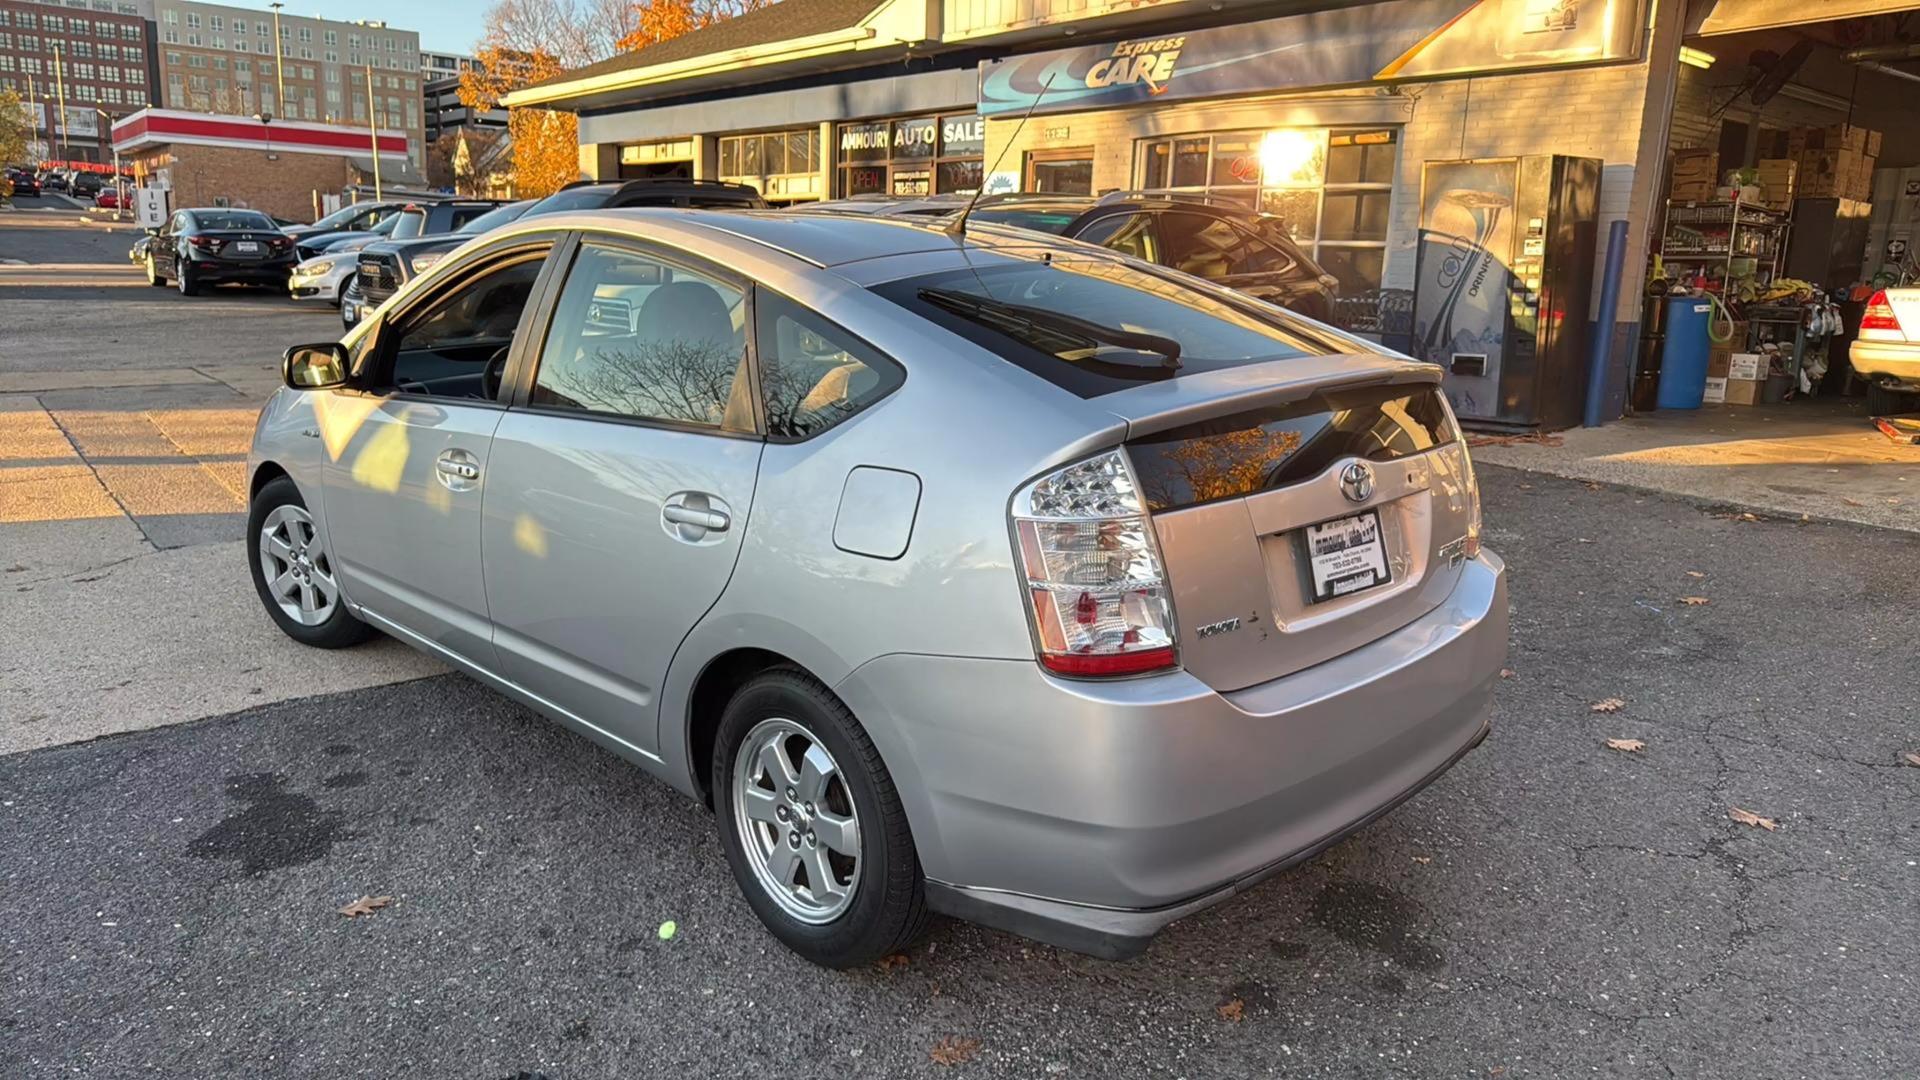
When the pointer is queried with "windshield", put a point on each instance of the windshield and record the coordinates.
(1053, 219)
(408, 224)
(387, 225)
(494, 218)
(231, 219)
(339, 218)
(1093, 326)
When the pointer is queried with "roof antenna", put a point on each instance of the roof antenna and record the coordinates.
(957, 228)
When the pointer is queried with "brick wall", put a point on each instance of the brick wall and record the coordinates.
(283, 186)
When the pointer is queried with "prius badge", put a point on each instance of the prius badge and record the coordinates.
(1356, 481)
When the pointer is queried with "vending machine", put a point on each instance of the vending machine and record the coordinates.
(1504, 285)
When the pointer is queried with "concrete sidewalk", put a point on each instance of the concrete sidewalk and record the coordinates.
(1821, 458)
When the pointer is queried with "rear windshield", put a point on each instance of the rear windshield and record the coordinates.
(1094, 326)
(231, 219)
(1231, 456)
(591, 197)
(1053, 221)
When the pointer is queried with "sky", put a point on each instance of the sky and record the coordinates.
(444, 25)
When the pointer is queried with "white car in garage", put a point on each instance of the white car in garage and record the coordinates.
(1887, 352)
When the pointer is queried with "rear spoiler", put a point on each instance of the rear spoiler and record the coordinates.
(1171, 403)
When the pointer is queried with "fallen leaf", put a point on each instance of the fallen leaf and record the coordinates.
(366, 905)
(1851, 502)
(1914, 760)
(954, 1050)
(1695, 574)
(1628, 746)
(1612, 704)
(1591, 486)
(1507, 673)
(668, 929)
(1695, 601)
(1423, 859)
(1748, 817)
(1233, 1011)
(888, 963)
(1748, 517)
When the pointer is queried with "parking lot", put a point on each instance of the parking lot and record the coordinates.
(187, 799)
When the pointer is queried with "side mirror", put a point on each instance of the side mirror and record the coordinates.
(315, 367)
(152, 230)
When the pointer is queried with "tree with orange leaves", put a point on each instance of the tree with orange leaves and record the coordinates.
(529, 41)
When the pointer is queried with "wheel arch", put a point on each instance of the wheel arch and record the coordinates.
(263, 474)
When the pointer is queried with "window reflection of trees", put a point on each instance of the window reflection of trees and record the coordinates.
(691, 381)
(1218, 466)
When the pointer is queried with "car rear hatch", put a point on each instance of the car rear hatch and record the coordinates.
(242, 246)
(1303, 508)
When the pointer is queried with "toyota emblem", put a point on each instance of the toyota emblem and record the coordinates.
(1356, 481)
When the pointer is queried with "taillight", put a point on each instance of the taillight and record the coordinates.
(1096, 586)
(1879, 314)
(204, 243)
(1469, 486)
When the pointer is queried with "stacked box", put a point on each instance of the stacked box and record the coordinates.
(1777, 177)
(1827, 173)
(1695, 174)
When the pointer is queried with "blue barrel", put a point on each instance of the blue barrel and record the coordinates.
(1683, 362)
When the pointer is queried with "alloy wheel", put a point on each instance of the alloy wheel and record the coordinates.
(796, 820)
(298, 572)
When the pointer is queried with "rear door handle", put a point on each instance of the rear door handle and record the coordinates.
(710, 520)
(459, 469)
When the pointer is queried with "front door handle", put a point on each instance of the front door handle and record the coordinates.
(710, 520)
(457, 470)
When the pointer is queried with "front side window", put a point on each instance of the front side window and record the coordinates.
(637, 337)
(456, 346)
(1215, 248)
(813, 374)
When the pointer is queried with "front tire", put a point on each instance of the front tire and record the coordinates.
(153, 275)
(813, 826)
(294, 573)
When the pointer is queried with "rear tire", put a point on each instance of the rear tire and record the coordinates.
(185, 279)
(281, 542)
(1884, 402)
(885, 907)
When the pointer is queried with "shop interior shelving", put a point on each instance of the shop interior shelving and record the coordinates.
(1717, 233)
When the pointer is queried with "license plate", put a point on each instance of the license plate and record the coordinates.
(247, 247)
(350, 311)
(1346, 556)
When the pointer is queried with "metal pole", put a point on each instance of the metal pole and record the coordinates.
(1603, 333)
(373, 131)
(60, 81)
(279, 79)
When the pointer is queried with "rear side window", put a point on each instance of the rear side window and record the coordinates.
(1231, 456)
(813, 374)
(1047, 221)
(637, 337)
(1094, 326)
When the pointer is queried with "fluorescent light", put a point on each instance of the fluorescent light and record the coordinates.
(1696, 57)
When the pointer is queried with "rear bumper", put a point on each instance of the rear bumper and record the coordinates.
(1886, 359)
(1091, 815)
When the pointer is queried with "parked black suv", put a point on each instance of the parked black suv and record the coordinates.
(387, 265)
(384, 265)
(1210, 237)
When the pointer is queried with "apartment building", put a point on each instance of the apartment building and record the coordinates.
(435, 66)
(220, 59)
(95, 51)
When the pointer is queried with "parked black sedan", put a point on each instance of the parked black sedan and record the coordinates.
(214, 246)
(24, 182)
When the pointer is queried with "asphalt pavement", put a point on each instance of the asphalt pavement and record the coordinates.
(169, 897)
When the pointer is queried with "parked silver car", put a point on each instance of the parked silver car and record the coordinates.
(1008, 578)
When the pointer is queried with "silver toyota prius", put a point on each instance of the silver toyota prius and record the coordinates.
(1005, 576)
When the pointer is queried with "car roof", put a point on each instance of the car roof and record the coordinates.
(824, 239)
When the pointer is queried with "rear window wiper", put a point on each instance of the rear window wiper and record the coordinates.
(1051, 330)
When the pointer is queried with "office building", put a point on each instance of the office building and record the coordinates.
(94, 52)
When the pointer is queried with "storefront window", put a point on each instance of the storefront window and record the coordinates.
(783, 165)
(921, 155)
(1332, 188)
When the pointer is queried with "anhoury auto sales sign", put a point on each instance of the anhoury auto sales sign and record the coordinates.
(1414, 39)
